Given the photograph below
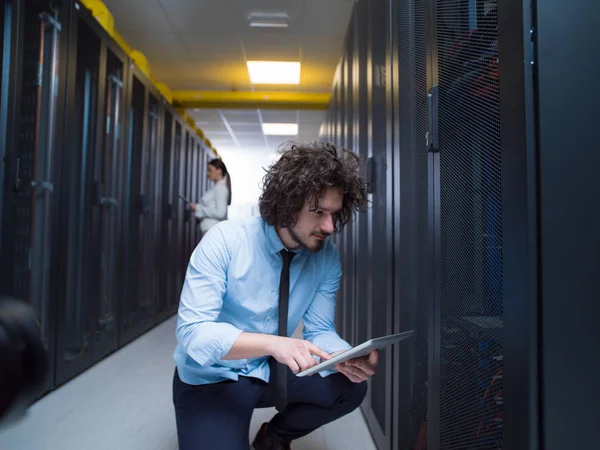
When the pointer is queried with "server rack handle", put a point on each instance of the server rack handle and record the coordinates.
(432, 137)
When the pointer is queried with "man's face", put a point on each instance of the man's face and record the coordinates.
(314, 224)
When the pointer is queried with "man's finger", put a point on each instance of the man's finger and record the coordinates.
(309, 358)
(374, 358)
(318, 352)
(363, 365)
(351, 376)
(356, 371)
(303, 364)
(293, 365)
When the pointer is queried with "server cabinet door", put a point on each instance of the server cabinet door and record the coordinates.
(362, 147)
(110, 204)
(339, 237)
(194, 193)
(380, 166)
(349, 268)
(30, 200)
(168, 201)
(9, 19)
(189, 216)
(148, 277)
(136, 306)
(182, 211)
(75, 322)
(413, 243)
(202, 152)
(207, 183)
(468, 350)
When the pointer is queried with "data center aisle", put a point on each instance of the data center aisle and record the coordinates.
(124, 403)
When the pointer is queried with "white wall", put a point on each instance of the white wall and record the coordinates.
(247, 169)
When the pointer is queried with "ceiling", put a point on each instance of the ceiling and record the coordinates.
(204, 45)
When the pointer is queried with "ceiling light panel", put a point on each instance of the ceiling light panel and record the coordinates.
(268, 20)
(274, 72)
(280, 129)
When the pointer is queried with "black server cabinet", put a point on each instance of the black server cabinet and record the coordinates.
(169, 200)
(361, 146)
(181, 258)
(208, 157)
(202, 151)
(459, 229)
(567, 117)
(467, 350)
(108, 182)
(412, 237)
(91, 203)
(138, 301)
(348, 255)
(339, 237)
(33, 87)
(11, 17)
(187, 192)
(76, 330)
(196, 188)
(380, 166)
(189, 182)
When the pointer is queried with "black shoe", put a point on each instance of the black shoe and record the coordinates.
(262, 441)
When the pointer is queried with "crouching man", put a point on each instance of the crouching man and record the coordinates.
(248, 285)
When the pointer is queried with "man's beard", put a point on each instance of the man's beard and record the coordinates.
(303, 243)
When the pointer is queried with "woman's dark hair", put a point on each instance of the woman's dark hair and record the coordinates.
(302, 174)
(218, 163)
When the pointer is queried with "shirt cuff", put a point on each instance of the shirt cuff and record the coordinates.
(331, 343)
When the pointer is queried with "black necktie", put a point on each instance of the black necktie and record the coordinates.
(284, 294)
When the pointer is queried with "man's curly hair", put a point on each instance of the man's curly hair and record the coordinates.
(302, 174)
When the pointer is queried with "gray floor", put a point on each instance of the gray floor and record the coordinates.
(124, 403)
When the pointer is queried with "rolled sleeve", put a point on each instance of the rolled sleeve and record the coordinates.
(319, 319)
(201, 335)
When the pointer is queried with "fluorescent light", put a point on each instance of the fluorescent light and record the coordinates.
(274, 72)
(268, 20)
(280, 129)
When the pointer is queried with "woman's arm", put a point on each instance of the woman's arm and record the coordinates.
(219, 211)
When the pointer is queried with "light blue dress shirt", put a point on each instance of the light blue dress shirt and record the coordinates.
(232, 285)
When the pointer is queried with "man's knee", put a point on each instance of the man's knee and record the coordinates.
(357, 393)
(350, 395)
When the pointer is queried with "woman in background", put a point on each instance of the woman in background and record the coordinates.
(212, 208)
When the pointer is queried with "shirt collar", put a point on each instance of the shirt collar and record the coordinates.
(274, 241)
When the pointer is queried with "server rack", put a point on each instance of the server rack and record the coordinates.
(467, 149)
(363, 225)
(89, 185)
(167, 221)
(567, 96)
(33, 71)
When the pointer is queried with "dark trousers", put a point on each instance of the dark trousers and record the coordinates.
(217, 416)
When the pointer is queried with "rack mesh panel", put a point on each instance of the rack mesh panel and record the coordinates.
(166, 223)
(471, 230)
(27, 135)
(348, 143)
(415, 292)
(381, 247)
(363, 149)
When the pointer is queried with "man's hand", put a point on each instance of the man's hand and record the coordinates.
(192, 207)
(296, 353)
(359, 369)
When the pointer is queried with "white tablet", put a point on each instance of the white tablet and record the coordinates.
(356, 352)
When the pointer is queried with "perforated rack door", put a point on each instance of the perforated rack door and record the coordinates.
(413, 295)
(33, 184)
(470, 224)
